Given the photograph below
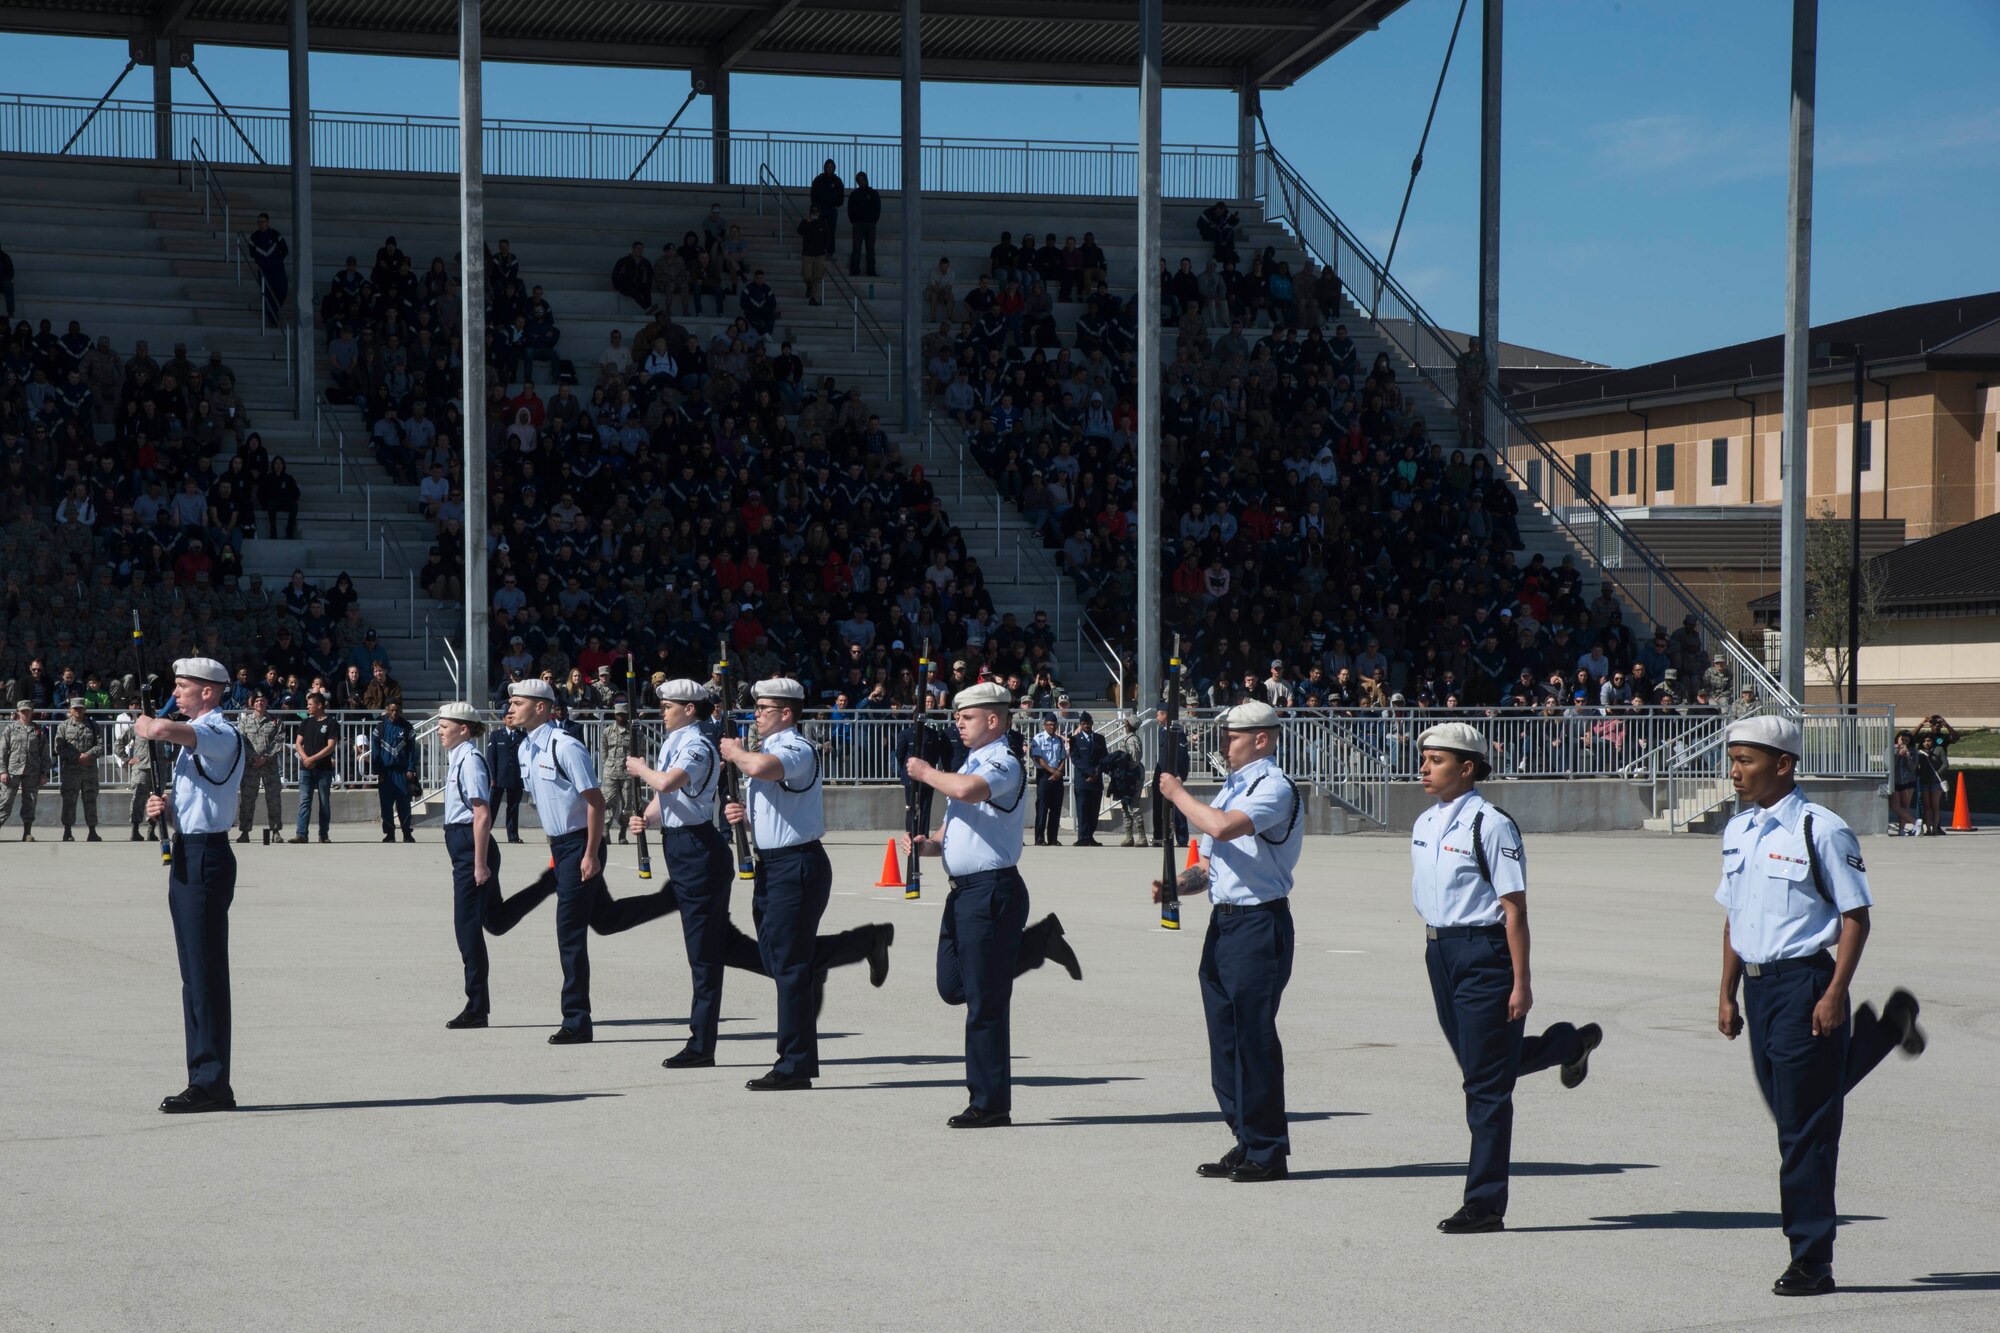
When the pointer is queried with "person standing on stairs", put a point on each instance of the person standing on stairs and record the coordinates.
(828, 193)
(813, 249)
(268, 248)
(864, 211)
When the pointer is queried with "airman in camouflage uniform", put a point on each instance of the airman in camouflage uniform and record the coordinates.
(79, 745)
(24, 764)
(138, 757)
(264, 748)
(614, 745)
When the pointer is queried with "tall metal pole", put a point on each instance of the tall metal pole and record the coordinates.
(718, 124)
(1150, 666)
(913, 212)
(472, 297)
(305, 362)
(1489, 194)
(1854, 535)
(1247, 111)
(163, 99)
(1798, 283)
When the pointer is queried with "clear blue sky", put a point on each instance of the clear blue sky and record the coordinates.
(1644, 148)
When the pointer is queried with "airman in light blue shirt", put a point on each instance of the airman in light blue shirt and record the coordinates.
(467, 782)
(1451, 883)
(558, 771)
(986, 835)
(786, 810)
(1775, 908)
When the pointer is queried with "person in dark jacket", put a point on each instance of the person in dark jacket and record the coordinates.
(268, 248)
(864, 210)
(632, 276)
(393, 750)
(828, 193)
(1087, 760)
(503, 752)
(278, 494)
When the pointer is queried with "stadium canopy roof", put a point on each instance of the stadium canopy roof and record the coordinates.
(1210, 44)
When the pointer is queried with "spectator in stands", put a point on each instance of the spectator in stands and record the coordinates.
(270, 251)
(632, 277)
(759, 304)
(827, 193)
(7, 280)
(864, 211)
(278, 494)
(815, 238)
(941, 293)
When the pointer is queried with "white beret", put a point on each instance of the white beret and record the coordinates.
(988, 694)
(1456, 736)
(681, 690)
(201, 668)
(457, 711)
(1252, 716)
(780, 687)
(1772, 733)
(531, 689)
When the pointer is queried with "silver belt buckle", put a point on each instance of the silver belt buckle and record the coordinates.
(1430, 932)
(1753, 969)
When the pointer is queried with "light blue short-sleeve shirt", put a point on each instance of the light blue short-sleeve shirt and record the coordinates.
(1049, 749)
(208, 775)
(468, 781)
(1257, 867)
(986, 835)
(1446, 885)
(1776, 911)
(693, 802)
(558, 772)
(789, 811)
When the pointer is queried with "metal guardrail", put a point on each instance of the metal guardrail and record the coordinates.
(1621, 557)
(540, 149)
(861, 318)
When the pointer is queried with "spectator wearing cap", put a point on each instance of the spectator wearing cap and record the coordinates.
(503, 753)
(1050, 755)
(1250, 841)
(78, 746)
(794, 877)
(1469, 883)
(614, 747)
(984, 941)
(392, 748)
(317, 738)
(24, 766)
(1794, 887)
(202, 881)
(1088, 757)
(263, 749)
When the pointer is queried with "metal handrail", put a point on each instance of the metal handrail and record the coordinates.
(213, 196)
(1295, 194)
(863, 318)
(1100, 643)
(324, 419)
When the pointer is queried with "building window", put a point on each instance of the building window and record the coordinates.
(1616, 459)
(1663, 468)
(1583, 473)
(1632, 470)
(1865, 442)
(1718, 462)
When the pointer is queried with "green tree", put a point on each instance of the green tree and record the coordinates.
(1828, 546)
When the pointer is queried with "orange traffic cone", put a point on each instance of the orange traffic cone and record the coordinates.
(1194, 854)
(892, 868)
(1961, 816)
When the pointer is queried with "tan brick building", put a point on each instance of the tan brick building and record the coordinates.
(1704, 429)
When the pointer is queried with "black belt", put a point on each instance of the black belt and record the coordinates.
(768, 852)
(958, 882)
(1784, 965)
(212, 839)
(1232, 909)
(1497, 931)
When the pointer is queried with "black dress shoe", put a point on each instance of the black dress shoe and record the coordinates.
(1804, 1279)
(467, 1019)
(776, 1082)
(409, 836)
(93, 837)
(1058, 948)
(1220, 1169)
(513, 840)
(1577, 1070)
(243, 835)
(388, 837)
(136, 837)
(1472, 1219)
(974, 1118)
(322, 837)
(569, 1037)
(878, 953)
(197, 1098)
(1251, 1173)
(68, 836)
(688, 1058)
(1899, 1011)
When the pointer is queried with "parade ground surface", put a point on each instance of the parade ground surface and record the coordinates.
(384, 1173)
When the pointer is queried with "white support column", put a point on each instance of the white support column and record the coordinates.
(913, 213)
(1794, 449)
(472, 296)
(163, 99)
(304, 277)
(1150, 666)
(1247, 99)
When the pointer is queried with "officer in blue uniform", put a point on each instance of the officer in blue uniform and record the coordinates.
(478, 909)
(794, 879)
(1469, 881)
(984, 941)
(207, 776)
(504, 750)
(571, 806)
(1250, 843)
(1049, 753)
(1794, 886)
(700, 866)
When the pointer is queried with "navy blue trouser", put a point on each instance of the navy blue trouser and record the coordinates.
(480, 910)
(392, 791)
(1805, 1081)
(1048, 808)
(793, 885)
(584, 905)
(1471, 978)
(1246, 962)
(510, 799)
(981, 949)
(700, 870)
(200, 886)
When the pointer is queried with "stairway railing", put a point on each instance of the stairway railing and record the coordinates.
(1621, 556)
(863, 319)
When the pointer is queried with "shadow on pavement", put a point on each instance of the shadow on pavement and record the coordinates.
(1689, 1220)
(1412, 1170)
(469, 1099)
(1935, 1282)
(1020, 1081)
(1165, 1118)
